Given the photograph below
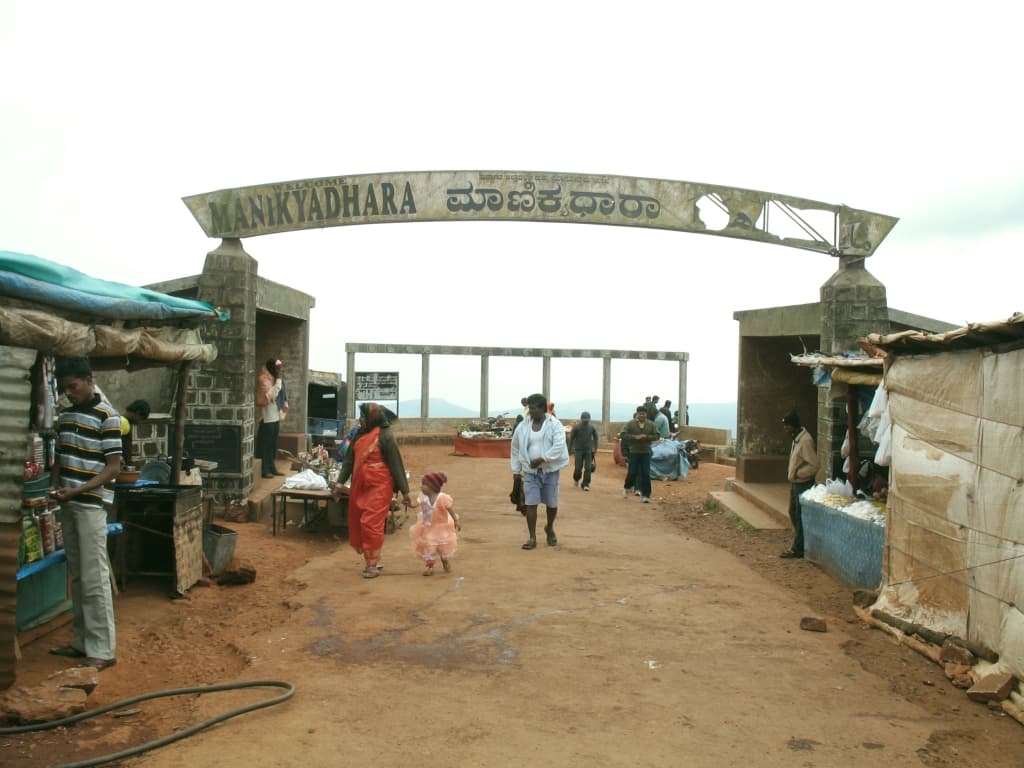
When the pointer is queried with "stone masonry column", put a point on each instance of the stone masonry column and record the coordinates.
(681, 402)
(424, 390)
(606, 394)
(223, 392)
(485, 384)
(350, 377)
(546, 376)
(853, 304)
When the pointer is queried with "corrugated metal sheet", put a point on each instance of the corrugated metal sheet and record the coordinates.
(9, 537)
(15, 401)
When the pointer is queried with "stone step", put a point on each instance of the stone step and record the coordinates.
(772, 498)
(747, 510)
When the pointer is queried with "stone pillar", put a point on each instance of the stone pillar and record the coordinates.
(853, 304)
(545, 385)
(223, 392)
(350, 377)
(424, 389)
(606, 394)
(485, 383)
(681, 402)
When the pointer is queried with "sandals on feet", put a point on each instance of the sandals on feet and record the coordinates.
(371, 572)
(428, 571)
(552, 539)
(530, 544)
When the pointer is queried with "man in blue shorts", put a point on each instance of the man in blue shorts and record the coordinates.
(538, 454)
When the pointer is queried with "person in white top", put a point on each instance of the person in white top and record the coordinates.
(538, 454)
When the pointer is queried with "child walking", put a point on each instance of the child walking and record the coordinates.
(434, 534)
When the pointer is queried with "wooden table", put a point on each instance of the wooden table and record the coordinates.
(319, 500)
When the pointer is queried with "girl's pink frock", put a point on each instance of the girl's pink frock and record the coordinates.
(438, 538)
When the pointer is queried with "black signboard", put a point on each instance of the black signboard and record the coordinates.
(221, 443)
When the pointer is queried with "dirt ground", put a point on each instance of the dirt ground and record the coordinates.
(655, 635)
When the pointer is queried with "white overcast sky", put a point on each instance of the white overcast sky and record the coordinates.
(110, 113)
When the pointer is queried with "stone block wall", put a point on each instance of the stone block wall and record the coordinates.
(223, 392)
(853, 304)
(149, 440)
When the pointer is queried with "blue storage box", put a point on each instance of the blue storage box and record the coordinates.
(42, 594)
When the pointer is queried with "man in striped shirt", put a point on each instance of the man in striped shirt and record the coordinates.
(88, 460)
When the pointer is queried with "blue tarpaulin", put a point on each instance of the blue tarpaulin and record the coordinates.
(668, 460)
(45, 282)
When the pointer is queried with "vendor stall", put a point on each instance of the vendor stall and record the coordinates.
(844, 519)
(48, 311)
(485, 438)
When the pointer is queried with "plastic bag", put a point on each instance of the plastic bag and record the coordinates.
(306, 480)
(838, 487)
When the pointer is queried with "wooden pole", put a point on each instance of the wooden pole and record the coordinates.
(179, 422)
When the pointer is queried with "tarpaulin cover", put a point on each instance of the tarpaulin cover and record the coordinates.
(955, 547)
(668, 460)
(56, 336)
(33, 279)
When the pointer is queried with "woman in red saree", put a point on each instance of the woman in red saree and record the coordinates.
(375, 466)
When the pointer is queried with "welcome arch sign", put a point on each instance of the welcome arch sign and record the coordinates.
(627, 201)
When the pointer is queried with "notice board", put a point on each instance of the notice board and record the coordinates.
(221, 443)
(376, 386)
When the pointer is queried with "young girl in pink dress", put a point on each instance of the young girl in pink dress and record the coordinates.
(434, 532)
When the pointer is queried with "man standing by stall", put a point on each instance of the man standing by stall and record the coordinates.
(88, 460)
(803, 466)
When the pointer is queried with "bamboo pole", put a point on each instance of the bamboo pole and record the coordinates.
(179, 422)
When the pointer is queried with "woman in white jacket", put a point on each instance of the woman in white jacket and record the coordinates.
(538, 454)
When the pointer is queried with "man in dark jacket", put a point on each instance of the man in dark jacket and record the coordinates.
(583, 445)
(639, 434)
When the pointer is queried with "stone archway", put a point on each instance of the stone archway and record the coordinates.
(532, 196)
(850, 304)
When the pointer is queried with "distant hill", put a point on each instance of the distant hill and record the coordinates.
(717, 415)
